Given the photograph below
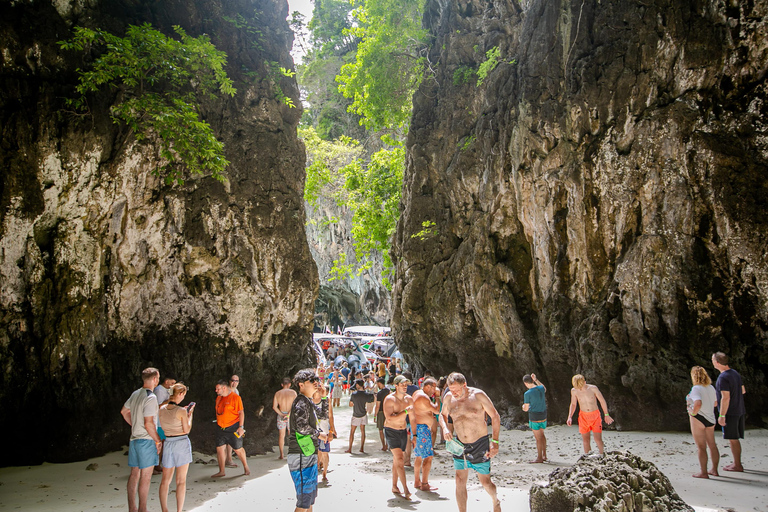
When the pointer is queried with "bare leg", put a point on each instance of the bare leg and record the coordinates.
(228, 463)
(221, 456)
(461, 489)
(281, 442)
(408, 450)
(699, 437)
(599, 442)
(736, 450)
(133, 487)
(165, 484)
(241, 455)
(351, 438)
(713, 451)
(425, 467)
(490, 488)
(144, 479)
(383, 441)
(181, 486)
(362, 438)
(585, 441)
(399, 470)
(417, 472)
(323, 458)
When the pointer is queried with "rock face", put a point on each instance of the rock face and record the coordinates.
(599, 200)
(616, 482)
(105, 270)
(357, 300)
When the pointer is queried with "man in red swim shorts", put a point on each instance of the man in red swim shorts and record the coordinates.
(587, 396)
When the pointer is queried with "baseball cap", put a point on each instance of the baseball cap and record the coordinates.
(401, 378)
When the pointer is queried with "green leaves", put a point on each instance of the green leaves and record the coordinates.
(161, 81)
(490, 63)
(389, 62)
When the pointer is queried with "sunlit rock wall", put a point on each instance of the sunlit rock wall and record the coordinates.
(105, 270)
(599, 201)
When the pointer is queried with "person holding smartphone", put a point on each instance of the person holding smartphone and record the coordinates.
(176, 421)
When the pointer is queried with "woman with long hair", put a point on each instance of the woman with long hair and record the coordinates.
(701, 403)
(177, 453)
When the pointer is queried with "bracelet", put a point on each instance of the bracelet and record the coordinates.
(722, 415)
(495, 441)
(607, 415)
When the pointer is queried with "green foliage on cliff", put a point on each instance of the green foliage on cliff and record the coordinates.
(161, 81)
(490, 63)
(370, 189)
(389, 62)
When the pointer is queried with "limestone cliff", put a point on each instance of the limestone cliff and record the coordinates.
(105, 270)
(599, 200)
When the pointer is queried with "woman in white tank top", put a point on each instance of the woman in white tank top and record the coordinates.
(701, 402)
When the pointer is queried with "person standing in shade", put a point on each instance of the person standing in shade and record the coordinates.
(140, 412)
(358, 401)
(230, 417)
(163, 393)
(304, 436)
(424, 411)
(177, 451)
(535, 404)
(730, 396)
(381, 394)
(281, 404)
(396, 407)
(590, 421)
(701, 402)
(468, 407)
(234, 381)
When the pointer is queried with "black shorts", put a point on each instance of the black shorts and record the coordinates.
(380, 419)
(227, 436)
(476, 452)
(396, 438)
(734, 427)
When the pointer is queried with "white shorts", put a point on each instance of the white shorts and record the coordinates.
(359, 422)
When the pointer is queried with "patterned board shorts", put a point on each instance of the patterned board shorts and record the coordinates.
(423, 446)
(303, 470)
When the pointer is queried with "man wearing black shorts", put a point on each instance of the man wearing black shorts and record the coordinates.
(396, 406)
(730, 400)
(230, 418)
(381, 394)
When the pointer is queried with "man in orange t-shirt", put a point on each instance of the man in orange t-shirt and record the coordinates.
(230, 417)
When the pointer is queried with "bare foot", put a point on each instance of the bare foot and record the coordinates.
(714, 472)
(733, 467)
(395, 490)
(347, 451)
(247, 471)
(537, 461)
(361, 451)
(417, 485)
(230, 465)
(426, 487)
(325, 479)
(218, 475)
(407, 495)
(497, 506)
(701, 475)
(408, 465)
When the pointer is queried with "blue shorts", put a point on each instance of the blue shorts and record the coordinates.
(324, 446)
(537, 425)
(484, 468)
(177, 452)
(142, 453)
(475, 457)
(423, 446)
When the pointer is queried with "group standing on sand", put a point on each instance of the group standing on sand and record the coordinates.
(408, 419)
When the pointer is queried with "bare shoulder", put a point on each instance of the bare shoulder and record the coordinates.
(592, 388)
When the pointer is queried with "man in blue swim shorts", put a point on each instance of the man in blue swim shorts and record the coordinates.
(424, 411)
(468, 407)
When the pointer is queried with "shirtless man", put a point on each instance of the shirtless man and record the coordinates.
(468, 407)
(422, 422)
(396, 407)
(281, 404)
(587, 396)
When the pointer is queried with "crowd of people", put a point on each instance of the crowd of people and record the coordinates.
(412, 419)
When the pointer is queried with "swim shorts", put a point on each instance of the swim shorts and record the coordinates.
(396, 438)
(423, 446)
(380, 419)
(177, 451)
(282, 423)
(734, 427)
(142, 453)
(538, 425)
(360, 422)
(475, 456)
(227, 436)
(590, 421)
(303, 470)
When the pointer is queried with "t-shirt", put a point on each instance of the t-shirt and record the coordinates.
(380, 396)
(359, 399)
(142, 403)
(228, 409)
(412, 388)
(707, 395)
(162, 394)
(538, 404)
(730, 381)
(345, 372)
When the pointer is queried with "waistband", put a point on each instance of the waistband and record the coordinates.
(177, 438)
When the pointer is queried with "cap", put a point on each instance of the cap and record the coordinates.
(401, 378)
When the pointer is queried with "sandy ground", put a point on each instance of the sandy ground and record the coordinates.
(363, 481)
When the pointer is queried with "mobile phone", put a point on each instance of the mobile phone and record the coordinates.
(191, 404)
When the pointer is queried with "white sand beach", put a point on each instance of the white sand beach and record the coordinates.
(363, 482)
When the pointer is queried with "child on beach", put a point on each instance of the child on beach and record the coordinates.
(587, 396)
(536, 406)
